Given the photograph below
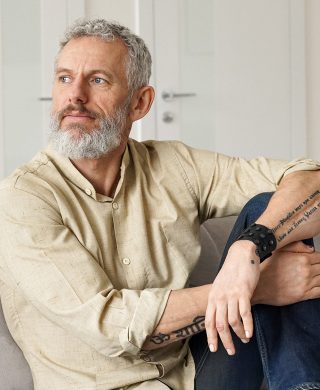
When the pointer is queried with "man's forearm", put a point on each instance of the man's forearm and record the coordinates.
(294, 210)
(289, 276)
(183, 317)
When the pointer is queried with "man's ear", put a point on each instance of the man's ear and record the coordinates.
(141, 102)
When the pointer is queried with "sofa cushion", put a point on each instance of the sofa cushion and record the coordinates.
(14, 369)
(213, 235)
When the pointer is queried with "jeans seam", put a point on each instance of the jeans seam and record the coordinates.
(201, 362)
(262, 348)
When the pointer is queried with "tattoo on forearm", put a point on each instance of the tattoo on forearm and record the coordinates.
(302, 219)
(196, 326)
(160, 338)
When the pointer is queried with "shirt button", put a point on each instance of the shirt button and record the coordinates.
(115, 206)
(88, 191)
(126, 261)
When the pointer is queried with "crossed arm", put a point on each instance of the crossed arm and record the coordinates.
(290, 275)
(293, 214)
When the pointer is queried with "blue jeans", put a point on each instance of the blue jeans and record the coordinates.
(285, 347)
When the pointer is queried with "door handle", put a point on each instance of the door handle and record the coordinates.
(45, 99)
(168, 96)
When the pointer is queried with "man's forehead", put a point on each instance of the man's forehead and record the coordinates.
(94, 47)
(95, 53)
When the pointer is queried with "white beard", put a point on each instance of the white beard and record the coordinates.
(88, 145)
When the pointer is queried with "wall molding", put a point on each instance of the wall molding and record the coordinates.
(298, 78)
(2, 157)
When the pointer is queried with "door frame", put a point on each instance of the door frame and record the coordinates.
(145, 18)
(144, 27)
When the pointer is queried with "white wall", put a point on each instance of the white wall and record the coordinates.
(20, 117)
(21, 81)
(122, 11)
(1, 103)
(313, 76)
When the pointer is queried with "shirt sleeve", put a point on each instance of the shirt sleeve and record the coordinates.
(44, 261)
(222, 184)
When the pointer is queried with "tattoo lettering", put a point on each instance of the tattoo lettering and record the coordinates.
(299, 221)
(281, 237)
(283, 221)
(196, 327)
(160, 338)
(314, 194)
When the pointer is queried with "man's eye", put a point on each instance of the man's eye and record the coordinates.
(99, 80)
(65, 79)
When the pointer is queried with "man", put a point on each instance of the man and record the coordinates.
(99, 233)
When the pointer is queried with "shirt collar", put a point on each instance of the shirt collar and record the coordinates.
(71, 173)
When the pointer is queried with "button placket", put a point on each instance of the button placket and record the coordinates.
(126, 261)
(124, 254)
(88, 191)
(115, 206)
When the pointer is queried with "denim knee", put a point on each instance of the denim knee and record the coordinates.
(255, 207)
(259, 201)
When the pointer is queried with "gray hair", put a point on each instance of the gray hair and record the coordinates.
(138, 66)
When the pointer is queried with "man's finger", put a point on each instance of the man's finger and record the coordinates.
(315, 258)
(212, 335)
(234, 319)
(313, 293)
(315, 282)
(246, 315)
(298, 247)
(223, 329)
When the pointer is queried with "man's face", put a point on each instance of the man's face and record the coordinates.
(90, 95)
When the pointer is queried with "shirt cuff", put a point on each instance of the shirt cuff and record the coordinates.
(145, 319)
(298, 165)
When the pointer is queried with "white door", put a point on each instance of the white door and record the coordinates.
(230, 75)
(30, 33)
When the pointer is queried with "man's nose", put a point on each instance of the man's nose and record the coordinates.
(78, 92)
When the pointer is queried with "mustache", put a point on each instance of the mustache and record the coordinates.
(77, 107)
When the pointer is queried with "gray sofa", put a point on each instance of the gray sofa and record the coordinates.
(15, 373)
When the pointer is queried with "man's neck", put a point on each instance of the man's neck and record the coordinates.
(104, 172)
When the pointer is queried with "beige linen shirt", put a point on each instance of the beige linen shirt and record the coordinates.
(85, 278)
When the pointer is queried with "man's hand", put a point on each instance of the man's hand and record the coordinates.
(229, 301)
(291, 275)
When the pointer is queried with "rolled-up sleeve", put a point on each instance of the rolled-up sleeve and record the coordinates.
(300, 164)
(43, 259)
(223, 184)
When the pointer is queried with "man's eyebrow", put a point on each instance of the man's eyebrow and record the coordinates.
(93, 71)
(102, 71)
(62, 70)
